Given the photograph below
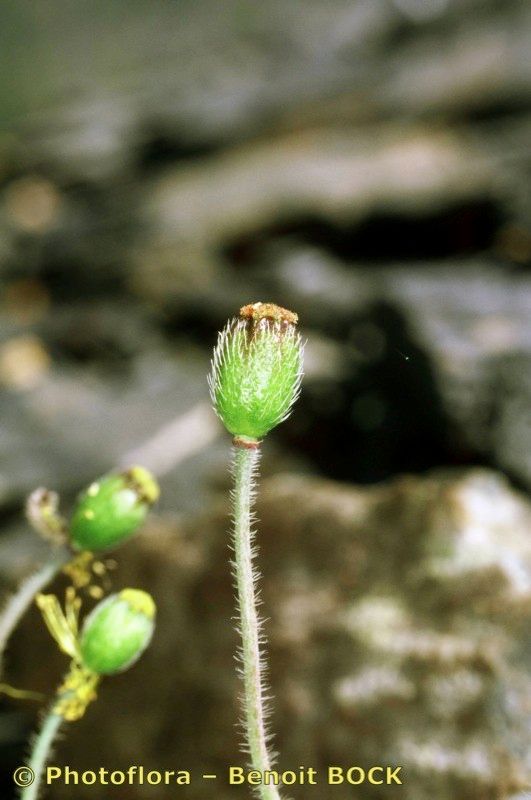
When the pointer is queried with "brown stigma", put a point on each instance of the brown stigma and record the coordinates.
(259, 311)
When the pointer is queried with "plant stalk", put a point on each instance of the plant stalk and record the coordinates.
(246, 456)
(40, 753)
(19, 602)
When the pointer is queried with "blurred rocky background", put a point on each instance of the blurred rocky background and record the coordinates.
(366, 163)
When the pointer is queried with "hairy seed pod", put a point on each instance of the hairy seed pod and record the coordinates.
(256, 370)
(117, 631)
(112, 509)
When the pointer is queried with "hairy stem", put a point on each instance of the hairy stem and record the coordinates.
(20, 601)
(40, 753)
(245, 464)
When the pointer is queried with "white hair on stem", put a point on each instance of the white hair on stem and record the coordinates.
(252, 665)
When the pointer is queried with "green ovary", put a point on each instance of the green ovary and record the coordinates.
(117, 632)
(257, 383)
(111, 510)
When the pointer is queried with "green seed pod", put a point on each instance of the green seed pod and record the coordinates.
(117, 631)
(112, 509)
(256, 370)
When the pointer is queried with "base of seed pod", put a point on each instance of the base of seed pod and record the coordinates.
(246, 442)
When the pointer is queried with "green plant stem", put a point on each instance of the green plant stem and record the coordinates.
(19, 602)
(40, 753)
(245, 465)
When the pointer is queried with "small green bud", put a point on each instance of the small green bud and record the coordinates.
(117, 631)
(256, 370)
(112, 509)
